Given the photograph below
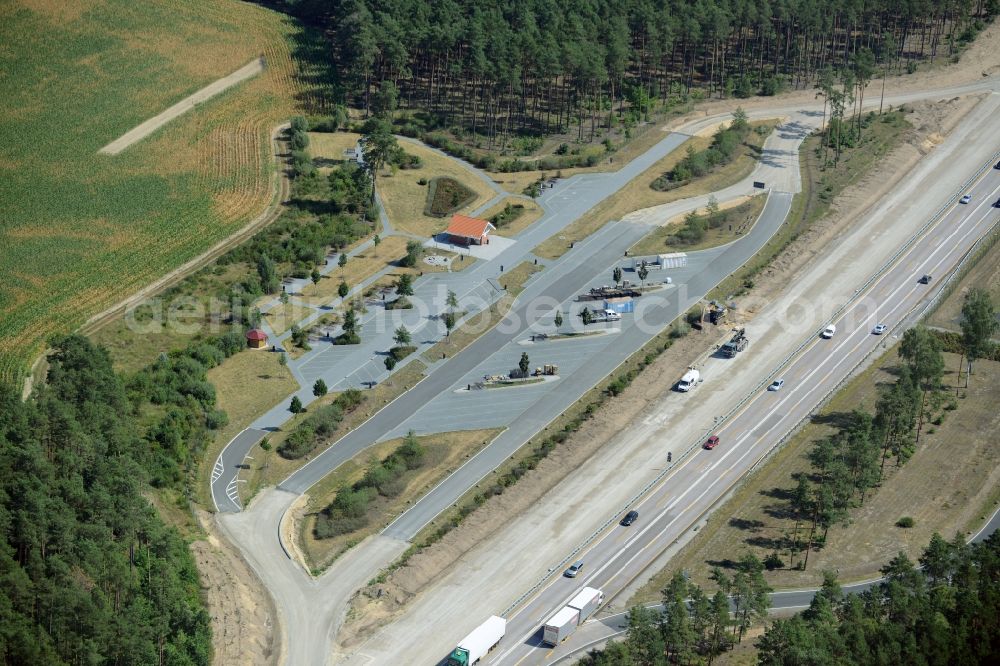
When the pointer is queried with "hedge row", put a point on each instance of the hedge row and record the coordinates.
(319, 425)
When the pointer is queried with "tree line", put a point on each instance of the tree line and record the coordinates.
(691, 626)
(90, 574)
(945, 612)
(846, 466)
(498, 68)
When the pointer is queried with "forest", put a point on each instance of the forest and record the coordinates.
(89, 572)
(943, 609)
(532, 67)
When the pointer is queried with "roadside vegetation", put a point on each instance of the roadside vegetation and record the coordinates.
(640, 192)
(362, 495)
(946, 609)
(271, 467)
(713, 227)
(822, 180)
(84, 552)
(839, 492)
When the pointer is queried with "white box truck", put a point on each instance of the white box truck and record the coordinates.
(673, 260)
(560, 626)
(689, 380)
(587, 601)
(476, 645)
(575, 613)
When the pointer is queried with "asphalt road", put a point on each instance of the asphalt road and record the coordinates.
(694, 484)
(657, 310)
(598, 631)
(590, 258)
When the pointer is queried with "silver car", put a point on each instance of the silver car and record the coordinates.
(574, 569)
(776, 385)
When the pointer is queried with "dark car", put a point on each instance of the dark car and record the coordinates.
(629, 518)
(925, 279)
(711, 442)
(996, 204)
(997, 165)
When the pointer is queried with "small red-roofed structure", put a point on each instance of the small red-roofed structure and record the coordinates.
(256, 338)
(465, 230)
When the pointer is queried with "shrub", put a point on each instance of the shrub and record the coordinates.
(905, 522)
(445, 196)
(772, 562)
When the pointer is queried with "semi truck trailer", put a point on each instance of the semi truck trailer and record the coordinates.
(562, 625)
(476, 645)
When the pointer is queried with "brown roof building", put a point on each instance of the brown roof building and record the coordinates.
(465, 230)
(256, 338)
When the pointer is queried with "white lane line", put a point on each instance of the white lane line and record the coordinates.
(233, 492)
(899, 303)
(217, 470)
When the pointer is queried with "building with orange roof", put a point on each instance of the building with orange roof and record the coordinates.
(465, 230)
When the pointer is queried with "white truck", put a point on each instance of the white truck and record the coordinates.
(561, 625)
(689, 380)
(661, 261)
(476, 645)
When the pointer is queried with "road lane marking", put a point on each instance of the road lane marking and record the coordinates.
(800, 358)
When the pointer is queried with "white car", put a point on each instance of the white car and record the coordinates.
(966, 199)
(776, 385)
(829, 331)
(879, 329)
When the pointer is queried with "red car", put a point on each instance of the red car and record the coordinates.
(712, 442)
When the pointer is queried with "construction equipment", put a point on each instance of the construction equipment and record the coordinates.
(716, 312)
(736, 344)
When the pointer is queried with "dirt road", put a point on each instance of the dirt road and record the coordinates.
(141, 131)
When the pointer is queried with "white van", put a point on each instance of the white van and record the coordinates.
(688, 381)
(611, 315)
(828, 331)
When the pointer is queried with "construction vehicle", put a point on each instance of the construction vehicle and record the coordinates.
(736, 344)
(604, 293)
(477, 645)
(716, 312)
(575, 613)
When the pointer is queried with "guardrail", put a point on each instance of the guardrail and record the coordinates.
(781, 364)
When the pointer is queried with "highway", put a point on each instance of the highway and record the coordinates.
(596, 632)
(310, 607)
(695, 483)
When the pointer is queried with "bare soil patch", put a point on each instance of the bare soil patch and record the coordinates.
(869, 186)
(243, 617)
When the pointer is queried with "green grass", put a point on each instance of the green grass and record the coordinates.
(81, 230)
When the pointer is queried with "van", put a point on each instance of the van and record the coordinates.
(612, 315)
(688, 381)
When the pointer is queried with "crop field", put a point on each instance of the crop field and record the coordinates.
(82, 231)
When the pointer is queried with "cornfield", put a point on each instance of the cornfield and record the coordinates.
(81, 231)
